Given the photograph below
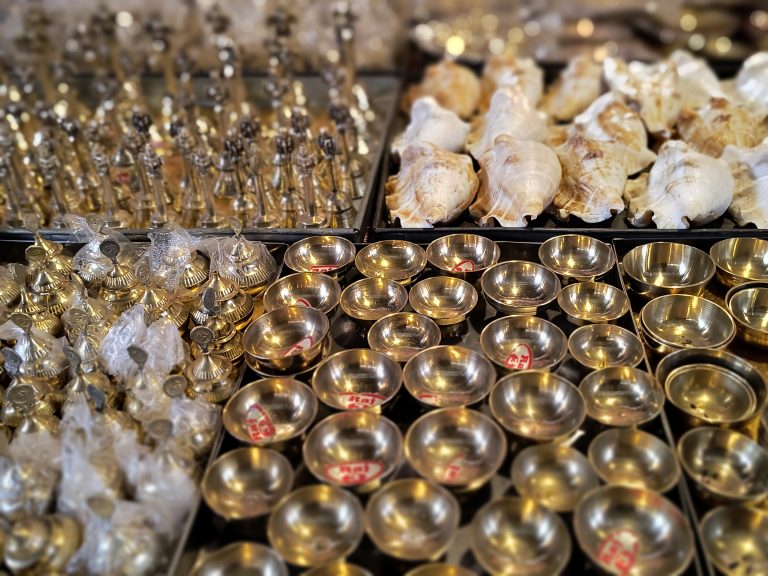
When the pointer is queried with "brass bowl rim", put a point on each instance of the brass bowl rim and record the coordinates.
(402, 294)
(710, 514)
(627, 335)
(426, 284)
(602, 315)
(739, 322)
(449, 239)
(652, 333)
(321, 278)
(570, 272)
(542, 323)
(262, 548)
(629, 272)
(719, 259)
(363, 265)
(319, 317)
(549, 298)
(288, 257)
(646, 377)
(424, 321)
(745, 286)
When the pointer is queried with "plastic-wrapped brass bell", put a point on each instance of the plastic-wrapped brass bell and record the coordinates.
(227, 341)
(202, 438)
(45, 286)
(248, 264)
(194, 271)
(158, 303)
(59, 262)
(211, 377)
(143, 380)
(9, 289)
(98, 402)
(234, 304)
(42, 319)
(39, 358)
(79, 380)
(23, 396)
(120, 288)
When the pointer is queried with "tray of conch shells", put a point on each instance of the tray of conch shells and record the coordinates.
(641, 148)
(466, 407)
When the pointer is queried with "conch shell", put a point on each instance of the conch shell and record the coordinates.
(698, 82)
(752, 82)
(509, 70)
(749, 168)
(684, 188)
(574, 90)
(432, 123)
(713, 127)
(518, 181)
(433, 186)
(454, 86)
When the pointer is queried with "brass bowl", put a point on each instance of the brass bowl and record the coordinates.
(356, 449)
(403, 334)
(631, 457)
(724, 464)
(315, 525)
(396, 260)
(412, 519)
(605, 345)
(463, 255)
(518, 537)
(661, 268)
(440, 569)
(337, 569)
(287, 340)
(740, 260)
(304, 289)
(592, 302)
(456, 447)
(746, 286)
(554, 475)
(537, 405)
(270, 411)
(357, 379)
(444, 299)
(241, 558)
(519, 287)
(371, 299)
(246, 482)
(524, 342)
(749, 308)
(324, 254)
(622, 396)
(626, 530)
(449, 376)
(577, 257)
(735, 539)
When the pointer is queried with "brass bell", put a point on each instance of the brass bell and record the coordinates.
(211, 377)
(248, 264)
(234, 304)
(227, 341)
(158, 303)
(119, 288)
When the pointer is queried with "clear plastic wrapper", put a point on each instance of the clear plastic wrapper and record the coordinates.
(170, 246)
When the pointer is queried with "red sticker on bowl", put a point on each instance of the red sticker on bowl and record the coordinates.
(618, 551)
(323, 268)
(259, 424)
(355, 473)
(464, 266)
(303, 344)
(302, 302)
(360, 400)
(456, 470)
(442, 397)
(521, 358)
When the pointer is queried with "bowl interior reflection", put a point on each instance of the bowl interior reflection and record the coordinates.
(741, 259)
(605, 345)
(669, 265)
(373, 298)
(393, 259)
(523, 342)
(577, 256)
(462, 253)
(735, 539)
(517, 284)
(303, 289)
(403, 334)
(593, 302)
(684, 321)
(324, 254)
(241, 558)
(443, 298)
(622, 396)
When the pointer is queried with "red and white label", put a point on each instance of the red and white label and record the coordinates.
(465, 266)
(521, 358)
(355, 473)
(619, 550)
(321, 268)
(442, 398)
(259, 424)
(457, 470)
(302, 302)
(360, 400)
(301, 345)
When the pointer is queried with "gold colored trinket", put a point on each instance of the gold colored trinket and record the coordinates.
(211, 377)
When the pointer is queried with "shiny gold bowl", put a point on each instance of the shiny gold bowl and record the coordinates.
(412, 519)
(631, 457)
(622, 396)
(518, 537)
(577, 257)
(661, 268)
(626, 530)
(315, 525)
(270, 411)
(740, 260)
(605, 345)
(337, 569)
(537, 405)
(519, 287)
(330, 255)
(304, 289)
(356, 449)
(357, 379)
(444, 299)
(524, 342)
(371, 299)
(241, 558)
(592, 303)
(463, 255)
(396, 260)
(403, 334)
(246, 482)
(440, 569)
(554, 475)
(735, 539)
(749, 308)
(456, 447)
(449, 376)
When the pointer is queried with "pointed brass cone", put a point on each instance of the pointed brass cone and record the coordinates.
(249, 264)
(59, 261)
(234, 304)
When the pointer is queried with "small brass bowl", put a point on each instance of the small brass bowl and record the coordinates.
(356, 449)
(444, 299)
(337, 569)
(735, 539)
(622, 396)
(304, 289)
(324, 254)
(371, 299)
(518, 537)
(403, 334)
(577, 257)
(661, 268)
(519, 287)
(537, 405)
(554, 475)
(246, 482)
(456, 447)
(412, 519)
(524, 342)
(631, 457)
(357, 379)
(592, 303)
(449, 376)
(440, 569)
(617, 526)
(286, 340)
(396, 260)
(270, 411)
(740, 260)
(241, 558)
(605, 345)
(315, 525)
(749, 308)
(463, 255)
(724, 464)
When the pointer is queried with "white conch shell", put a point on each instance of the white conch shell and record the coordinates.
(454, 86)
(684, 188)
(518, 181)
(593, 180)
(575, 89)
(752, 82)
(610, 120)
(432, 123)
(714, 126)
(698, 82)
(510, 113)
(433, 186)
(749, 168)
(509, 70)
(651, 88)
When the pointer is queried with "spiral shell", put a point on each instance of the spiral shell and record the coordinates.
(752, 82)
(432, 123)
(575, 89)
(714, 126)
(509, 70)
(452, 85)
(698, 82)
(749, 168)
